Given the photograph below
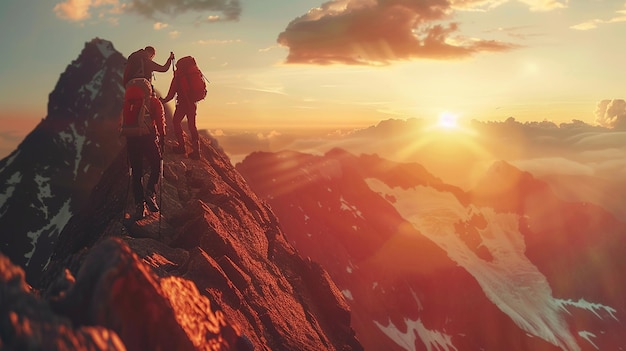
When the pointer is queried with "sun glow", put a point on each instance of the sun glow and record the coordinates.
(448, 120)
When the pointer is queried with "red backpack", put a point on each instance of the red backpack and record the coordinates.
(136, 120)
(190, 79)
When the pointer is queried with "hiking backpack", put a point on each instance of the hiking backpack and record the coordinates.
(136, 120)
(190, 80)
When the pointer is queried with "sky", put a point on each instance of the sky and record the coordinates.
(281, 65)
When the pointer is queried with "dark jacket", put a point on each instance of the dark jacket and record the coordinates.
(139, 65)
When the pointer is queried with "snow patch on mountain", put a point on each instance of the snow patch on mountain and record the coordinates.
(43, 183)
(105, 47)
(52, 228)
(74, 139)
(94, 86)
(511, 281)
(587, 336)
(9, 161)
(346, 206)
(347, 294)
(432, 339)
(15, 179)
(589, 306)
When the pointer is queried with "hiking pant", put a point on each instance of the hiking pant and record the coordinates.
(185, 109)
(141, 147)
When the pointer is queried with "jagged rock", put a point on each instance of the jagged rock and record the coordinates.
(28, 322)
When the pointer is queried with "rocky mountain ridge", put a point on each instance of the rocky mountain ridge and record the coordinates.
(212, 271)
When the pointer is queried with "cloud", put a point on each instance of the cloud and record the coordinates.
(582, 162)
(231, 9)
(545, 5)
(73, 10)
(160, 25)
(620, 16)
(174, 34)
(550, 165)
(269, 48)
(80, 10)
(485, 5)
(217, 42)
(611, 113)
(240, 144)
(376, 32)
(574, 148)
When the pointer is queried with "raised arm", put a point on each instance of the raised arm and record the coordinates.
(171, 92)
(155, 67)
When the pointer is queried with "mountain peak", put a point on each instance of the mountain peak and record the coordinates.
(212, 267)
(104, 46)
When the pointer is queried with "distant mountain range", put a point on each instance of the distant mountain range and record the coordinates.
(426, 266)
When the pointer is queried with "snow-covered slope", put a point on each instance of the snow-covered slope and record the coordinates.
(426, 266)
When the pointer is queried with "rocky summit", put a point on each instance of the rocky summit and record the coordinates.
(211, 271)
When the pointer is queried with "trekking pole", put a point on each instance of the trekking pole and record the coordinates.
(130, 175)
(173, 61)
(160, 196)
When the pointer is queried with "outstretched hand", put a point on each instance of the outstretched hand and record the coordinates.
(171, 55)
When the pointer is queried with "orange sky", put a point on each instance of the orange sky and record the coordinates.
(338, 64)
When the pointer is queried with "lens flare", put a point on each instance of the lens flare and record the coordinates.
(448, 120)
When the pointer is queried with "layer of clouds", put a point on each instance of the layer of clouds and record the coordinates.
(80, 10)
(574, 148)
(378, 32)
(581, 162)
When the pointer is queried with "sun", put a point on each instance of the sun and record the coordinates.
(448, 121)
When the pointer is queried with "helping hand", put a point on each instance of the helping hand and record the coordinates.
(171, 55)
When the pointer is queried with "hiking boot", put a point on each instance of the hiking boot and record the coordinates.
(195, 150)
(180, 149)
(151, 202)
(140, 211)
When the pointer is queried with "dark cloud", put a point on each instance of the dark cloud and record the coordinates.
(231, 9)
(377, 32)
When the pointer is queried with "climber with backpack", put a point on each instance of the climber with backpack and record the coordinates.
(188, 84)
(140, 64)
(143, 125)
